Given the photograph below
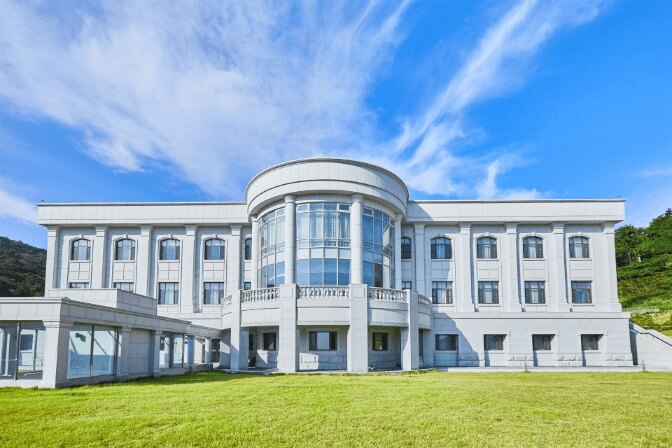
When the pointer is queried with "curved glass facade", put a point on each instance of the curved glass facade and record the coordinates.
(323, 243)
(378, 249)
(271, 258)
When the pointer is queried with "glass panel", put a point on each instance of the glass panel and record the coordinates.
(164, 350)
(8, 346)
(104, 350)
(79, 357)
(31, 351)
(178, 350)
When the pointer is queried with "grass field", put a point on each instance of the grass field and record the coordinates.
(430, 409)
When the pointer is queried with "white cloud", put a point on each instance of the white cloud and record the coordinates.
(656, 171)
(14, 207)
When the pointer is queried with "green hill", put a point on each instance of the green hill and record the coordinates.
(644, 260)
(22, 269)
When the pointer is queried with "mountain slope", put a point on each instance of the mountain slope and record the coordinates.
(22, 269)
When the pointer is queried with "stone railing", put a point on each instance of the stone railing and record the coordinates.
(387, 295)
(227, 300)
(324, 292)
(259, 295)
(424, 300)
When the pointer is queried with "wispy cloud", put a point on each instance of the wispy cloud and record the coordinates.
(656, 171)
(17, 208)
(217, 91)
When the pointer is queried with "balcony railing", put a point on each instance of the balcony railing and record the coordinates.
(324, 292)
(259, 295)
(387, 295)
(424, 300)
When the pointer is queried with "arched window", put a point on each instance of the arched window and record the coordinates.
(124, 250)
(406, 248)
(533, 247)
(214, 249)
(486, 247)
(579, 247)
(248, 248)
(80, 250)
(441, 249)
(170, 250)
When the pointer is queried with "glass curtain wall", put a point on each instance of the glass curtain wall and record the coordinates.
(378, 249)
(21, 350)
(271, 269)
(323, 243)
(92, 351)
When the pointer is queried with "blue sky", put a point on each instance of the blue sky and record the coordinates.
(118, 101)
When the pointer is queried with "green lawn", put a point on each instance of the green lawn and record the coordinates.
(431, 409)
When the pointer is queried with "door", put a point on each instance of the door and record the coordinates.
(251, 358)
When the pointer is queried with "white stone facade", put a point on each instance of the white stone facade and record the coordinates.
(310, 268)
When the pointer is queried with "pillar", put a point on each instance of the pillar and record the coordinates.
(156, 354)
(98, 258)
(191, 351)
(464, 295)
(188, 271)
(287, 353)
(509, 259)
(558, 298)
(53, 244)
(290, 238)
(420, 280)
(143, 261)
(255, 248)
(123, 352)
(358, 332)
(397, 251)
(428, 346)
(356, 239)
(207, 342)
(56, 352)
(233, 264)
(410, 346)
(238, 342)
(607, 300)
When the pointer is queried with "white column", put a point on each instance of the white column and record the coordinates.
(207, 342)
(356, 266)
(556, 267)
(410, 345)
(53, 244)
(188, 271)
(56, 351)
(358, 332)
(290, 238)
(255, 249)
(397, 251)
(98, 258)
(610, 302)
(123, 352)
(156, 353)
(287, 359)
(463, 262)
(238, 350)
(233, 264)
(420, 281)
(509, 260)
(143, 259)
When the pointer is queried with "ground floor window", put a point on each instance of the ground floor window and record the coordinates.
(494, 341)
(322, 340)
(169, 293)
(270, 341)
(379, 342)
(406, 284)
(21, 350)
(445, 342)
(590, 341)
(488, 293)
(542, 342)
(92, 351)
(124, 286)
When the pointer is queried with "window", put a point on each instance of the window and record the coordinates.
(124, 286)
(535, 293)
(248, 249)
(78, 285)
(170, 250)
(247, 286)
(214, 249)
(21, 350)
(178, 350)
(124, 250)
(322, 340)
(533, 247)
(379, 342)
(169, 293)
(80, 250)
(214, 350)
(406, 284)
(269, 340)
(442, 292)
(377, 248)
(270, 248)
(445, 342)
(488, 293)
(581, 293)
(494, 341)
(542, 342)
(579, 247)
(486, 247)
(92, 351)
(165, 350)
(441, 249)
(406, 248)
(213, 293)
(590, 341)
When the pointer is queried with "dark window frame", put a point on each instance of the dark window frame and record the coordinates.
(333, 341)
(436, 244)
(486, 248)
(381, 337)
(406, 248)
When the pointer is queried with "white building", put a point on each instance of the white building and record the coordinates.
(326, 265)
